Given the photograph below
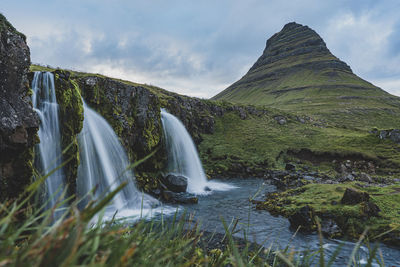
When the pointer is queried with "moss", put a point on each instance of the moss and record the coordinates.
(352, 219)
(71, 120)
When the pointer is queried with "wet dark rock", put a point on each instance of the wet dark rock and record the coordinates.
(176, 183)
(207, 189)
(155, 192)
(352, 197)
(179, 198)
(303, 218)
(290, 167)
(330, 228)
(18, 121)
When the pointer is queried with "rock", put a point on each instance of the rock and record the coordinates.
(179, 198)
(365, 178)
(352, 197)
(18, 121)
(290, 167)
(346, 177)
(395, 136)
(155, 192)
(207, 189)
(392, 134)
(280, 119)
(176, 183)
(370, 209)
(383, 134)
(303, 218)
(330, 228)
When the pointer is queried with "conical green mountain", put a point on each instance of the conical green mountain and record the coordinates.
(297, 72)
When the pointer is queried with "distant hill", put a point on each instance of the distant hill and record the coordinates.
(298, 73)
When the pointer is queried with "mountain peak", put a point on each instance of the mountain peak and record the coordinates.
(296, 41)
(297, 71)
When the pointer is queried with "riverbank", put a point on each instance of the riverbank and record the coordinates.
(343, 208)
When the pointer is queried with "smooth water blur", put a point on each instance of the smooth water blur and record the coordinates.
(183, 158)
(263, 228)
(48, 151)
(104, 166)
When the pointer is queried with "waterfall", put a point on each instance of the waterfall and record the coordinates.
(104, 164)
(183, 158)
(48, 151)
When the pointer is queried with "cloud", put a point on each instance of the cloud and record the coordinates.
(200, 47)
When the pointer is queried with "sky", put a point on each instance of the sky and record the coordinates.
(198, 48)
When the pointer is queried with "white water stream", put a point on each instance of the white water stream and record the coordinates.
(104, 164)
(48, 151)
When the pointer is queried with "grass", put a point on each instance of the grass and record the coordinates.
(325, 201)
(262, 142)
(30, 236)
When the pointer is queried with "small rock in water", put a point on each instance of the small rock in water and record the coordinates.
(329, 227)
(180, 198)
(303, 218)
(207, 189)
(176, 183)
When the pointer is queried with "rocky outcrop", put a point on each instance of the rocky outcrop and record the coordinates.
(71, 123)
(134, 113)
(18, 122)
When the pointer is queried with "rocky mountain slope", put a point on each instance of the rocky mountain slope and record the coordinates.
(18, 121)
(298, 73)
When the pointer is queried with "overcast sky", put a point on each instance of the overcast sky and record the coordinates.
(198, 48)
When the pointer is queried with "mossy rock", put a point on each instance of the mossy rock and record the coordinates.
(71, 121)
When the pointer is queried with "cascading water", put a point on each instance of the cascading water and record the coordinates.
(183, 158)
(48, 151)
(104, 164)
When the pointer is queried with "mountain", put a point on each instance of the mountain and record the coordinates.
(297, 72)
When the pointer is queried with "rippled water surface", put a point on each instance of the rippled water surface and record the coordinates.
(263, 228)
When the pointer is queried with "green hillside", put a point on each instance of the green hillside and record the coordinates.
(298, 73)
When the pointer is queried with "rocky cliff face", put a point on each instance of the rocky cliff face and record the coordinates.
(18, 121)
(133, 111)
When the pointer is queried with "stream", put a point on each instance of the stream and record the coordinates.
(263, 228)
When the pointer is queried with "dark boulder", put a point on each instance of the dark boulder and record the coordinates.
(179, 198)
(303, 218)
(176, 183)
(290, 167)
(330, 228)
(370, 209)
(18, 121)
(352, 197)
